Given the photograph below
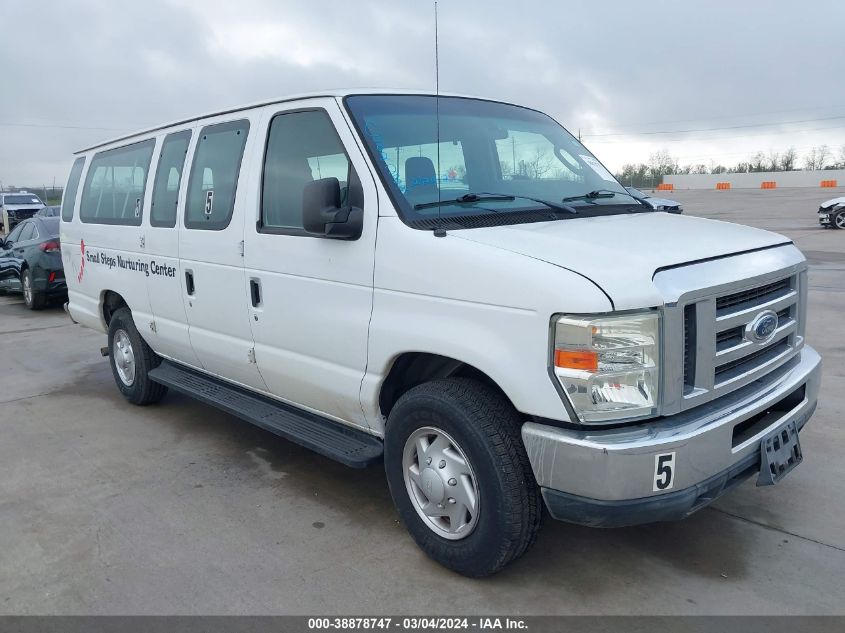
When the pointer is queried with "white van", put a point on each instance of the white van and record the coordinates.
(453, 285)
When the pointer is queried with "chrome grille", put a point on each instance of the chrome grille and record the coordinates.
(729, 338)
(689, 346)
(733, 349)
(752, 297)
(751, 361)
(707, 352)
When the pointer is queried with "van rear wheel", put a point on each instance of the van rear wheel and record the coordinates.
(459, 475)
(131, 360)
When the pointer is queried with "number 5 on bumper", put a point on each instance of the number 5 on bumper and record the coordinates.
(664, 472)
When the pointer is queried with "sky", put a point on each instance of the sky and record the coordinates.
(707, 81)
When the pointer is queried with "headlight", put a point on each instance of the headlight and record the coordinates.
(659, 207)
(609, 366)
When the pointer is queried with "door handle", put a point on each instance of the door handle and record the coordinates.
(189, 282)
(255, 292)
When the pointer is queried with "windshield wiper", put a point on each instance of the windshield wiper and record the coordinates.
(467, 198)
(552, 205)
(485, 196)
(598, 193)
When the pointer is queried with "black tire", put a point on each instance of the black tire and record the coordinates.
(33, 299)
(840, 216)
(142, 390)
(487, 428)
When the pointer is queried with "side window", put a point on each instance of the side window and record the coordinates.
(214, 175)
(69, 195)
(35, 234)
(27, 232)
(171, 161)
(15, 235)
(301, 147)
(114, 186)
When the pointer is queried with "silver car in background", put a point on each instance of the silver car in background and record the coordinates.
(832, 213)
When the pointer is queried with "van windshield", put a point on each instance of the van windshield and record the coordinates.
(491, 159)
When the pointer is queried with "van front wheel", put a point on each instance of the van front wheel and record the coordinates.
(459, 475)
(131, 359)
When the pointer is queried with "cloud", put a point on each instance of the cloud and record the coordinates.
(610, 67)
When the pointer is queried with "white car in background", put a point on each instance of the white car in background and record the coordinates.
(832, 213)
(658, 204)
(17, 207)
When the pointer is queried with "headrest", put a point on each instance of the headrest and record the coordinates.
(420, 179)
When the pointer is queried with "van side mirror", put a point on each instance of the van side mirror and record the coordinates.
(323, 215)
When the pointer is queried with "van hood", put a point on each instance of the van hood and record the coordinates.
(621, 253)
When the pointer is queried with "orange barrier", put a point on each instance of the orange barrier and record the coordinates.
(665, 186)
(768, 184)
(723, 185)
(828, 183)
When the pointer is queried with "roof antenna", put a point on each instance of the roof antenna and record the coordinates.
(439, 231)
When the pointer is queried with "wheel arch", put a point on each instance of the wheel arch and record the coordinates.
(410, 369)
(111, 302)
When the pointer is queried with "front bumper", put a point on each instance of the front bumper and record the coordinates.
(826, 217)
(606, 477)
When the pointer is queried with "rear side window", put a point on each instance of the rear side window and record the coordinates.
(69, 196)
(50, 227)
(15, 235)
(114, 186)
(28, 232)
(168, 177)
(214, 175)
(301, 147)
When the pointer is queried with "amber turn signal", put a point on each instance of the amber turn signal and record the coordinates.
(586, 361)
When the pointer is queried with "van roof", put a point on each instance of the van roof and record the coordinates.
(258, 104)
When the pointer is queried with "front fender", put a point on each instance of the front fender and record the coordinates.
(481, 305)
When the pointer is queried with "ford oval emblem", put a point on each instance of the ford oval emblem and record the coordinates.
(762, 329)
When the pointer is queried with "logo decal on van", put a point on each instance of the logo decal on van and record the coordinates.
(82, 263)
(109, 261)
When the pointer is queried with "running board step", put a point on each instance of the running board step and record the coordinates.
(344, 444)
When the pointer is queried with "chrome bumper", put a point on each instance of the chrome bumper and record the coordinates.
(719, 439)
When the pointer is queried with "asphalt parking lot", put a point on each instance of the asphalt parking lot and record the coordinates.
(106, 508)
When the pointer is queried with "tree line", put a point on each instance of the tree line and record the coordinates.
(662, 163)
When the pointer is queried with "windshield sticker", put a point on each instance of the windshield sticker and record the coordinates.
(378, 142)
(597, 167)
